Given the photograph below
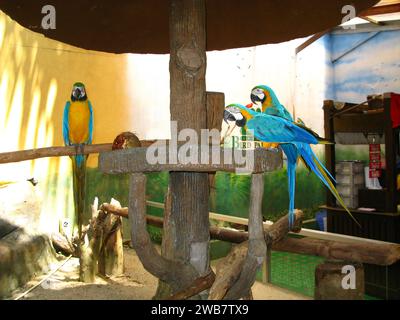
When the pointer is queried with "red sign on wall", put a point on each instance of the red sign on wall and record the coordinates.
(375, 163)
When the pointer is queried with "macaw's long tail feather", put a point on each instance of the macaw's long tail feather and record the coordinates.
(79, 184)
(305, 164)
(292, 155)
(291, 171)
(324, 141)
(322, 173)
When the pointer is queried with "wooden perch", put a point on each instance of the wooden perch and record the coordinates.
(371, 253)
(123, 212)
(32, 154)
(228, 271)
(136, 160)
(256, 247)
(379, 254)
(23, 155)
(175, 273)
(280, 229)
(199, 285)
(229, 268)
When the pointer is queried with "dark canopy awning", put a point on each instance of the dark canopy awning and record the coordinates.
(142, 26)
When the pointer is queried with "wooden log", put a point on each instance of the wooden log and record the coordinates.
(199, 285)
(167, 270)
(256, 247)
(111, 259)
(123, 212)
(89, 250)
(228, 271)
(61, 244)
(32, 154)
(280, 229)
(371, 253)
(209, 159)
(186, 228)
(339, 280)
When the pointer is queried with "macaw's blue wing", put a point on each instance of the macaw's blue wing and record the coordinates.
(66, 124)
(91, 122)
(269, 128)
(280, 111)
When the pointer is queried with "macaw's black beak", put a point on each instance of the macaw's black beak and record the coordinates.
(241, 123)
(255, 98)
(228, 116)
(78, 93)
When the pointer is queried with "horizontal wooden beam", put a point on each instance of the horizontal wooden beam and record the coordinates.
(390, 8)
(208, 159)
(303, 232)
(17, 156)
(61, 151)
(346, 249)
(377, 254)
(311, 40)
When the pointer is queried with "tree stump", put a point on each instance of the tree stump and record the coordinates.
(339, 280)
(111, 259)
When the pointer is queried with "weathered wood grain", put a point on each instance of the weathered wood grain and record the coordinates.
(214, 159)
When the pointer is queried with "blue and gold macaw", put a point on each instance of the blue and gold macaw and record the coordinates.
(294, 139)
(78, 131)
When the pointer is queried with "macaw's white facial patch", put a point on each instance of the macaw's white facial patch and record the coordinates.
(235, 111)
(259, 93)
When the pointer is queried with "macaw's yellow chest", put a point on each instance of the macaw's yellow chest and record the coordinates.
(79, 118)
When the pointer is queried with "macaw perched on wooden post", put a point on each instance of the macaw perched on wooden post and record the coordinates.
(78, 131)
(295, 140)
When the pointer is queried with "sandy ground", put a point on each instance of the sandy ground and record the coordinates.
(135, 284)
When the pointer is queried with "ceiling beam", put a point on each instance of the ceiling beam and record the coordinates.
(390, 8)
(373, 21)
(311, 40)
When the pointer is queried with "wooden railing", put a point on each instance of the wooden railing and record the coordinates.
(309, 233)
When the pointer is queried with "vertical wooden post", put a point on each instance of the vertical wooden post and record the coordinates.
(215, 102)
(391, 176)
(267, 266)
(329, 149)
(186, 228)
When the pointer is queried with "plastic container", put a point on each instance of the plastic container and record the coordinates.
(320, 218)
(349, 167)
(348, 190)
(356, 179)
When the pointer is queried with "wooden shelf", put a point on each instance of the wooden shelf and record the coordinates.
(341, 210)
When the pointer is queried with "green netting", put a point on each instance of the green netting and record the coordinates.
(294, 271)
